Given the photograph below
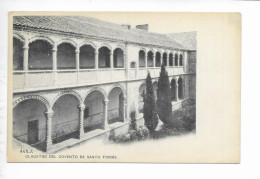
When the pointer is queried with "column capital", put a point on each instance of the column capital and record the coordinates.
(105, 101)
(25, 47)
(54, 49)
(49, 114)
(77, 51)
(26, 44)
(81, 106)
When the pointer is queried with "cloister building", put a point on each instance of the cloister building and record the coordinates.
(77, 77)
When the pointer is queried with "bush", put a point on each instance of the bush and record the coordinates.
(133, 135)
(184, 119)
(133, 125)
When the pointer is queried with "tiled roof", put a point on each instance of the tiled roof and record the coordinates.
(96, 28)
(188, 39)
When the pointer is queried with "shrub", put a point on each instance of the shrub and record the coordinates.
(133, 135)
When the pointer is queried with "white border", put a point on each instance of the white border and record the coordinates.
(250, 122)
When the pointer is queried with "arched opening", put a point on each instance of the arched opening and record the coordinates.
(180, 88)
(176, 60)
(87, 57)
(158, 59)
(173, 90)
(118, 58)
(29, 122)
(65, 122)
(66, 56)
(171, 59)
(40, 55)
(104, 57)
(115, 105)
(181, 60)
(150, 59)
(141, 58)
(155, 88)
(93, 113)
(142, 91)
(17, 54)
(165, 58)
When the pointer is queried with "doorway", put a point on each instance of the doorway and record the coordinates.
(33, 128)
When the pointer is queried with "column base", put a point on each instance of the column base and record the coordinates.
(81, 134)
(48, 146)
(105, 126)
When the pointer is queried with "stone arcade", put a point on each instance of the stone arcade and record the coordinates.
(77, 77)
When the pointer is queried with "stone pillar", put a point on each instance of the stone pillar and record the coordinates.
(187, 95)
(177, 94)
(111, 60)
(25, 63)
(168, 59)
(126, 63)
(154, 60)
(49, 116)
(96, 59)
(105, 112)
(81, 120)
(183, 88)
(54, 63)
(185, 62)
(96, 63)
(25, 57)
(54, 58)
(146, 59)
(77, 63)
(124, 109)
(161, 59)
(77, 59)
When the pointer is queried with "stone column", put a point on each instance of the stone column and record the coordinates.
(54, 63)
(25, 63)
(81, 120)
(154, 60)
(49, 116)
(161, 59)
(187, 95)
(25, 57)
(105, 112)
(111, 60)
(185, 63)
(77, 59)
(96, 63)
(146, 59)
(183, 88)
(177, 94)
(54, 58)
(77, 63)
(168, 59)
(124, 109)
(96, 59)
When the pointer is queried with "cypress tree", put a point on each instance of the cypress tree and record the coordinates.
(164, 104)
(150, 111)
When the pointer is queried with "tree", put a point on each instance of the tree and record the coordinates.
(164, 104)
(150, 110)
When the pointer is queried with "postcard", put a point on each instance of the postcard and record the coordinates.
(146, 87)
